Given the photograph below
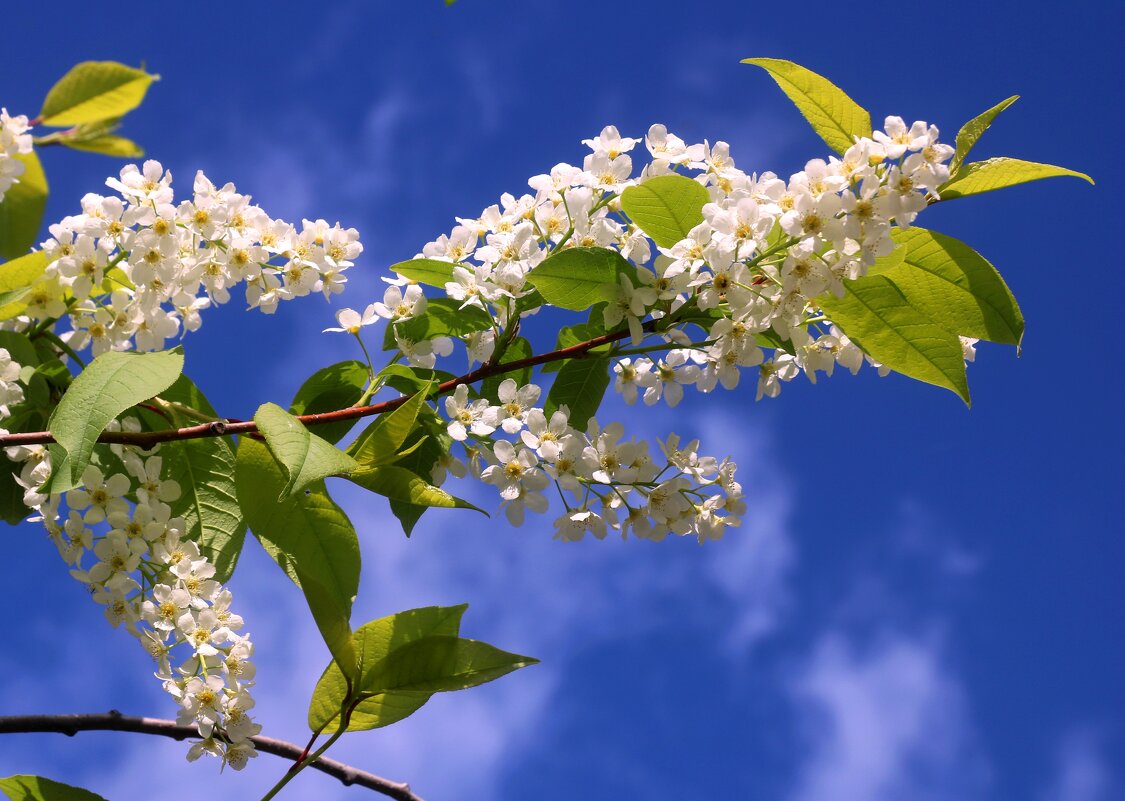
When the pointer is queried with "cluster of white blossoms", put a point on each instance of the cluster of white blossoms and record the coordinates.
(133, 271)
(605, 482)
(748, 274)
(117, 533)
(14, 140)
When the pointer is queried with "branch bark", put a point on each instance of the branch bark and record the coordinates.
(115, 721)
(221, 428)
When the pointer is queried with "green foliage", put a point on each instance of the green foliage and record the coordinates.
(999, 173)
(833, 115)
(110, 384)
(876, 314)
(443, 317)
(337, 386)
(953, 285)
(307, 534)
(666, 207)
(374, 641)
(381, 442)
(204, 469)
(577, 278)
(21, 211)
(972, 131)
(427, 446)
(426, 271)
(399, 484)
(572, 335)
(36, 788)
(16, 280)
(106, 145)
(580, 385)
(93, 91)
(303, 456)
(519, 349)
(440, 663)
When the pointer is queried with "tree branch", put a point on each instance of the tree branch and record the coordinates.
(221, 428)
(115, 721)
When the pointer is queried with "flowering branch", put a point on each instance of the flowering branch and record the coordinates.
(115, 721)
(222, 428)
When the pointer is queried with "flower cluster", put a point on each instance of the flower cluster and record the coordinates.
(133, 270)
(118, 534)
(605, 482)
(14, 140)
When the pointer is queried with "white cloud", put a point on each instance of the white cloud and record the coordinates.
(885, 721)
(1082, 772)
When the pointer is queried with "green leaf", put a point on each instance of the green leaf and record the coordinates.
(400, 484)
(373, 642)
(36, 788)
(431, 272)
(332, 614)
(833, 115)
(666, 207)
(999, 173)
(953, 285)
(21, 210)
(577, 278)
(16, 280)
(337, 386)
(110, 384)
(107, 145)
(580, 385)
(429, 443)
(408, 380)
(308, 535)
(972, 130)
(443, 317)
(204, 469)
(93, 91)
(876, 314)
(572, 335)
(382, 440)
(441, 663)
(519, 349)
(304, 456)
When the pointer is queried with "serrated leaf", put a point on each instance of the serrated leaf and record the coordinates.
(441, 663)
(580, 385)
(205, 469)
(666, 207)
(972, 130)
(110, 384)
(443, 317)
(1000, 173)
(36, 788)
(953, 285)
(21, 210)
(577, 278)
(306, 534)
(878, 317)
(337, 386)
(93, 91)
(833, 115)
(382, 440)
(398, 483)
(431, 272)
(373, 641)
(304, 456)
(107, 145)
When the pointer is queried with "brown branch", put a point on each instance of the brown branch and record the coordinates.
(221, 428)
(115, 721)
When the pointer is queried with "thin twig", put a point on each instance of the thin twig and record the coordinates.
(222, 428)
(115, 721)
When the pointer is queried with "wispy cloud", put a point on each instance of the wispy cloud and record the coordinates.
(1082, 771)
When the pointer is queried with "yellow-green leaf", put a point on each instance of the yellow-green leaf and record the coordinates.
(998, 173)
(833, 115)
(16, 279)
(107, 145)
(36, 788)
(972, 130)
(304, 456)
(21, 210)
(666, 207)
(93, 91)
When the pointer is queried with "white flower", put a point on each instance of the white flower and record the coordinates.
(466, 417)
(350, 321)
(515, 404)
(398, 305)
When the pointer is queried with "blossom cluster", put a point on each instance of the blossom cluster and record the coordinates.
(749, 273)
(118, 534)
(605, 482)
(134, 269)
(14, 140)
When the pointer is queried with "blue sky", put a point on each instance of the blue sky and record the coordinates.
(925, 601)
